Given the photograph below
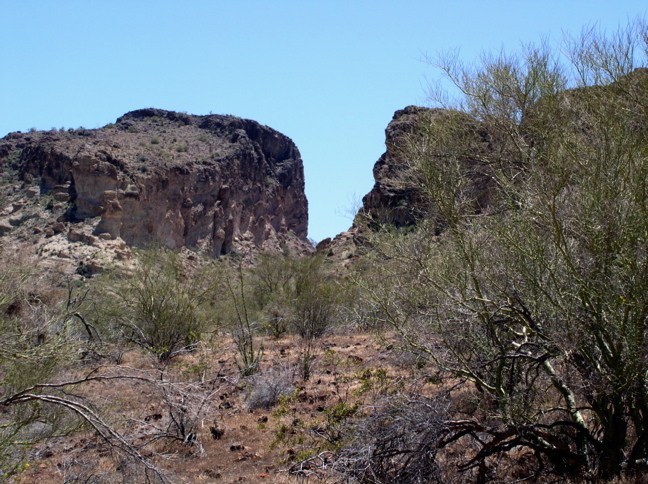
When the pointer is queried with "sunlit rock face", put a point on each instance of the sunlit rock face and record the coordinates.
(155, 177)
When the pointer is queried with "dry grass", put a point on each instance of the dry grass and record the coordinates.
(256, 444)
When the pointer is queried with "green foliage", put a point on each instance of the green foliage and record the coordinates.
(340, 412)
(159, 307)
(35, 336)
(284, 404)
(295, 293)
(536, 291)
(376, 382)
(39, 335)
(314, 297)
(271, 290)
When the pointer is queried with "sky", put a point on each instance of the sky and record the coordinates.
(328, 74)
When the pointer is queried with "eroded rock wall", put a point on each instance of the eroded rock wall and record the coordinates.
(155, 177)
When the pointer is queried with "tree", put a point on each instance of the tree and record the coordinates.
(296, 293)
(536, 291)
(271, 287)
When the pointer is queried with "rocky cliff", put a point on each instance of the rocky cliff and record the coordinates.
(477, 149)
(213, 183)
(392, 200)
(432, 136)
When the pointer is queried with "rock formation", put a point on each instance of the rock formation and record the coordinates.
(212, 183)
(434, 136)
(478, 148)
(391, 200)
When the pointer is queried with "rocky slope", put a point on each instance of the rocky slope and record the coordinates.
(212, 183)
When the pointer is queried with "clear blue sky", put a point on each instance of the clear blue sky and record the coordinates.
(329, 74)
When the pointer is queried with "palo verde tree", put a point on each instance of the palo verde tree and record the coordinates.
(536, 290)
(298, 294)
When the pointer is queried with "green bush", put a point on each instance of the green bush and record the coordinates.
(536, 290)
(271, 282)
(41, 333)
(159, 307)
(314, 297)
(295, 293)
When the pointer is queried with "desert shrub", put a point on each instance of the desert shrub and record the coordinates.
(268, 387)
(186, 406)
(46, 334)
(295, 293)
(42, 326)
(314, 297)
(242, 320)
(298, 294)
(272, 281)
(529, 277)
(279, 294)
(159, 307)
(42, 332)
(396, 442)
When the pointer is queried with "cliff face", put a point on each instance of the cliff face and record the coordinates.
(390, 200)
(432, 136)
(214, 183)
(478, 150)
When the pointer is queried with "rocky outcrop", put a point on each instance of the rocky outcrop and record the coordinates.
(480, 151)
(397, 198)
(391, 200)
(434, 136)
(154, 177)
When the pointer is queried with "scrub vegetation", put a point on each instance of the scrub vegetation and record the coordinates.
(501, 337)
